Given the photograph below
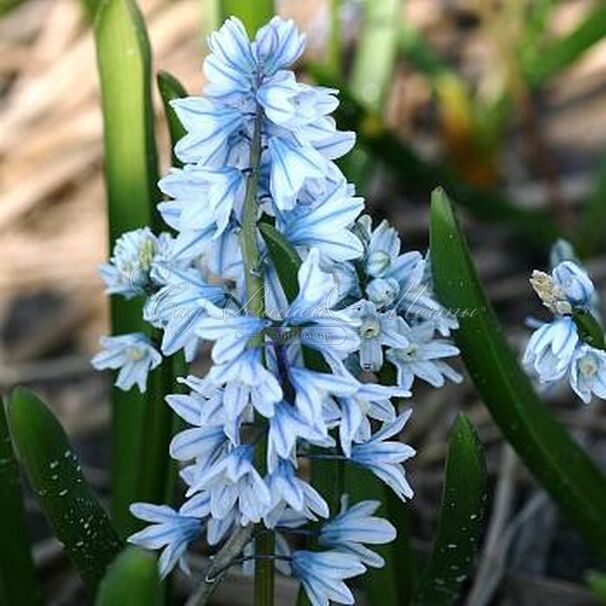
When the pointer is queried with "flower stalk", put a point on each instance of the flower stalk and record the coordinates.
(251, 257)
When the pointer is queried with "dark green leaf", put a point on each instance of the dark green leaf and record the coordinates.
(170, 88)
(131, 580)
(18, 584)
(54, 472)
(131, 174)
(285, 259)
(460, 519)
(589, 329)
(558, 463)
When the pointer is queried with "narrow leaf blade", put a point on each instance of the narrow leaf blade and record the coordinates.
(557, 462)
(170, 89)
(131, 174)
(285, 259)
(18, 584)
(76, 516)
(460, 519)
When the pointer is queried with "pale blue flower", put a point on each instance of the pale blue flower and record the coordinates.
(178, 308)
(209, 127)
(325, 223)
(234, 390)
(324, 326)
(288, 490)
(294, 105)
(245, 381)
(385, 458)
(313, 389)
(291, 163)
(383, 248)
(233, 480)
(378, 330)
(353, 527)
(286, 427)
(128, 270)
(230, 65)
(550, 349)
(133, 354)
(575, 283)
(588, 372)
(383, 291)
(416, 300)
(230, 330)
(369, 401)
(207, 443)
(170, 531)
(322, 575)
(199, 189)
(423, 358)
(278, 45)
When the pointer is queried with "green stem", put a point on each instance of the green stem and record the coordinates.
(264, 567)
(248, 233)
(264, 541)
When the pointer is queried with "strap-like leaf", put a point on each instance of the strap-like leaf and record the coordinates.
(18, 584)
(460, 519)
(54, 472)
(170, 88)
(285, 259)
(373, 64)
(131, 174)
(555, 459)
(131, 580)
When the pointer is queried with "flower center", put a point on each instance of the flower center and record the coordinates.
(146, 254)
(588, 366)
(135, 353)
(370, 329)
(408, 353)
(378, 262)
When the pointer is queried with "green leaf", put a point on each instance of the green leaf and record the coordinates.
(562, 52)
(557, 462)
(393, 584)
(589, 329)
(170, 88)
(372, 69)
(460, 519)
(131, 580)
(253, 14)
(131, 174)
(596, 581)
(285, 259)
(156, 474)
(72, 510)
(18, 583)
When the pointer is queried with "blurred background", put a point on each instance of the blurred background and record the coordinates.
(502, 102)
